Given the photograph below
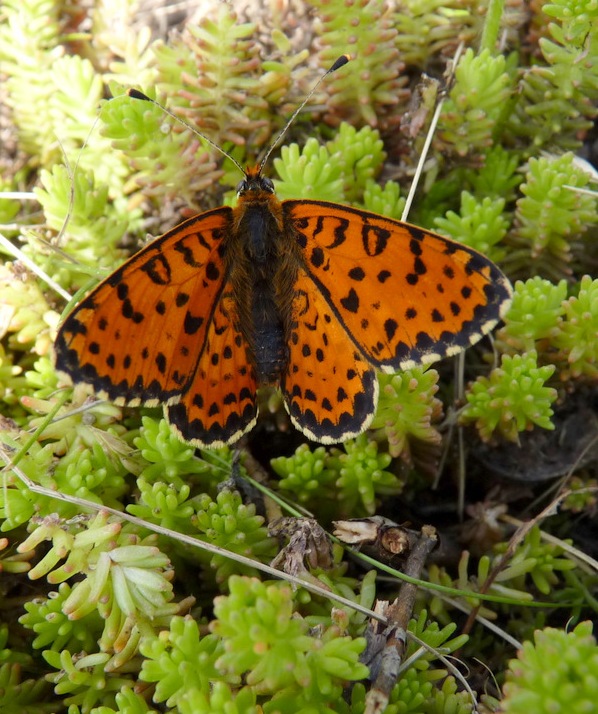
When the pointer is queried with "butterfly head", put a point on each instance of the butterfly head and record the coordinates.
(254, 183)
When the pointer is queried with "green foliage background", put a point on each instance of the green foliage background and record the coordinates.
(102, 615)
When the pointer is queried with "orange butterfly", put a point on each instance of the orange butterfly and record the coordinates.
(311, 296)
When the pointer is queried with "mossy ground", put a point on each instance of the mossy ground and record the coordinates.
(99, 614)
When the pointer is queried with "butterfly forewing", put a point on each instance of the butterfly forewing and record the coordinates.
(330, 391)
(138, 336)
(405, 296)
(219, 405)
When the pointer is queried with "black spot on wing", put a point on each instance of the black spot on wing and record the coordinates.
(357, 274)
(192, 323)
(158, 270)
(351, 301)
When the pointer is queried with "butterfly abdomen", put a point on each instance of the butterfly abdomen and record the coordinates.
(256, 274)
(270, 350)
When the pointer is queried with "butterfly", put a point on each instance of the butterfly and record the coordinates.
(310, 296)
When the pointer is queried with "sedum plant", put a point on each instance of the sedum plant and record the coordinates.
(532, 322)
(407, 409)
(562, 329)
(354, 477)
(559, 92)
(549, 216)
(513, 398)
(18, 694)
(480, 80)
(338, 171)
(256, 648)
(374, 43)
(109, 618)
(556, 671)
(577, 329)
(479, 225)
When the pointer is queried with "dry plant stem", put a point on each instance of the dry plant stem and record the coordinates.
(517, 537)
(515, 540)
(257, 472)
(83, 503)
(378, 537)
(308, 547)
(585, 561)
(248, 491)
(398, 615)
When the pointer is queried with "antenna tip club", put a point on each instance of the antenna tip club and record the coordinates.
(340, 62)
(136, 94)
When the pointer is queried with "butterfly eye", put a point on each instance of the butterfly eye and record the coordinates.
(268, 185)
(242, 187)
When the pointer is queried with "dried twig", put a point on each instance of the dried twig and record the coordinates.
(398, 615)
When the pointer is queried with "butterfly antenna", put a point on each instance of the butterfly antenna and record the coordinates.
(136, 94)
(340, 62)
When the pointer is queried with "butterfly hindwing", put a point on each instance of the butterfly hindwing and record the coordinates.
(329, 389)
(137, 337)
(404, 295)
(219, 405)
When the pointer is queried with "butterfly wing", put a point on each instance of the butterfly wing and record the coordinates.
(219, 405)
(404, 295)
(329, 389)
(162, 329)
(137, 337)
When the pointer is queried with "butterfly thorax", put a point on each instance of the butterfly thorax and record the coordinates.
(262, 269)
